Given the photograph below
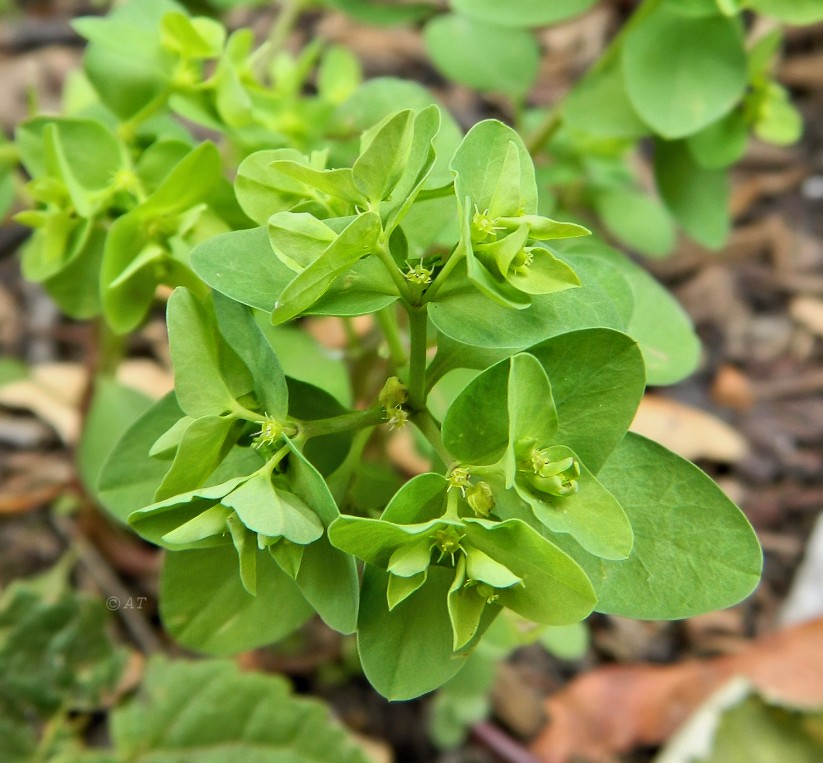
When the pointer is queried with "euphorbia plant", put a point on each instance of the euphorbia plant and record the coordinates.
(537, 500)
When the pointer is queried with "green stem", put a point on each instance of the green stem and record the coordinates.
(387, 320)
(285, 23)
(428, 427)
(451, 264)
(128, 128)
(418, 338)
(547, 128)
(345, 423)
(383, 253)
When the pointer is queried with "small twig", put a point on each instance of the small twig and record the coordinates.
(109, 583)
(501, 745)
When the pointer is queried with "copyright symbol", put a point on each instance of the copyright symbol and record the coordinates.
(113, 603)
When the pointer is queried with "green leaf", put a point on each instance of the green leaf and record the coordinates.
(482, 56)
(555, 589)
(259, 195)
(466, 607)
(126, 303)
(338, 74)
(192, 38)
(125, 60)
(722, 143)
(357, 240)
(91, 153)
(599, 105)
(597, 381)
(274, 513)
(187, 184)
(129, 478)
(777, 120)
(384, 156)
(75, 287)
(298, 238)
(246, 547)
(327, 576)
(521, 13)
(205, 607)
(379, 97)
(636, 220)
(494, 170)
(592, 515)
(205, 443)
(664, 331)
(697, 197)
(54, 649)
(466, 316)
(242, 333)
(157, 521)
(199, 384)
(796, 12)
(114, 408)
(242, 266)
(758, 730)
(476, 426)
(302, 358)
(263, 722)
(683, 72)
(338, 183)
(530, 405)
(421, 161)
(694, 553)
(407, 651)
(382, 13)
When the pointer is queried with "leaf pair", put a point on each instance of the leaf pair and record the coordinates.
(519, 437)
(497, 201)
(453, 571)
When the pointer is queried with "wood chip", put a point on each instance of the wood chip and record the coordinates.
(808, 312)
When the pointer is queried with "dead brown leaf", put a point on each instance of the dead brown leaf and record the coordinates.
(689, 432)
(614, 709)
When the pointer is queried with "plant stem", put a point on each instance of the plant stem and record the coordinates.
(418, 337)
(451, 264)
(284, 24)
(544, 132)
(387, 320)
(345, 423)
(383, 253)
(428, 427)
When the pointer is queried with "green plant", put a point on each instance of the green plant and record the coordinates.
(539, 502)
(266, 483)
(59, 666)
(680, 78)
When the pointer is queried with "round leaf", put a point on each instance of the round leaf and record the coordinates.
(483, 56)
(683, 72)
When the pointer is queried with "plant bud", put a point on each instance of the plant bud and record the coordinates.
(480, 498)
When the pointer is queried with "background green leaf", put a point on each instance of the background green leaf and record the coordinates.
(262, 721)
(521, 13)
(697, 197)
(483, 56)
(682, 72)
